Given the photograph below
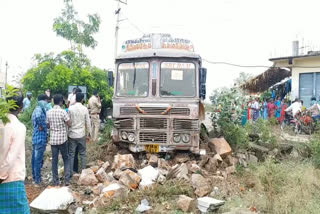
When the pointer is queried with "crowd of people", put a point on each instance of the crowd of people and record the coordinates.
(278, 108)
(65, 127)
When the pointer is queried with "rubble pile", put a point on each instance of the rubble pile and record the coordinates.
(103, 181)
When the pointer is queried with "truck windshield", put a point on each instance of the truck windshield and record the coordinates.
(178, 79)
(133, 79)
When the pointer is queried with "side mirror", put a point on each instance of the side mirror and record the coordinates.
(110, 78)
(202, 80)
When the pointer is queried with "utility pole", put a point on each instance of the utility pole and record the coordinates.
(117, 12)
(6, 78)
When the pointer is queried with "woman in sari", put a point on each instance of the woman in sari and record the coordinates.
(278, 108)
(265, 109)
(283, 111)
(271, 108)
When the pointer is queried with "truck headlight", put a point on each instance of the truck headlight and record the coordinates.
(186, 138)
(176, 138)
(131, 137)
(124, 135)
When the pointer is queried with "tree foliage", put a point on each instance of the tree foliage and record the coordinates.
(60, 71)
(227, 113)
(76, 31)
(6, 106)
(242, 78)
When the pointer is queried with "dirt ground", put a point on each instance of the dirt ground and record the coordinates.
(33, 192)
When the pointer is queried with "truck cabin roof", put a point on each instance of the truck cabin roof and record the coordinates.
(151, 53)
(157, 45)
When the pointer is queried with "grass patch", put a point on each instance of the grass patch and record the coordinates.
(288, 187)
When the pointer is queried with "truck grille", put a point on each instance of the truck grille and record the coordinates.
(154, 111)
(128, 110)
(180, 111)
(179, 124)
(153, 137)
(153, 123)
(124, 124)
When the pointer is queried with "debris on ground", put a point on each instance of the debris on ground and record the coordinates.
(104, 183)
(130, 179)
(200, 184)
(143, 206)
(79, 210)
(220, 146)
(179, 172)
(153, 160)
(87, 178)
(53, 199)
(182, 158)
(208, 204)
(185, 203)
(115, 190)
(102, 175)
(123, 161)
(148, 176)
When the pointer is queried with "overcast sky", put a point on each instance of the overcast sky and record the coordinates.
(246, 32)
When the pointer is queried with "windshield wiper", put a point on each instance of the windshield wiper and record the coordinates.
(134, 74)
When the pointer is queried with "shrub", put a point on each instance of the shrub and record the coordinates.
(25, 116)
(235, 134)
(262, 129)
(6, 106)
(315, 150)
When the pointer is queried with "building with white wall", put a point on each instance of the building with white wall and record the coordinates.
(305, 75)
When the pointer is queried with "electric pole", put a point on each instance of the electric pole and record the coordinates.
(6, 78)
(117, 12)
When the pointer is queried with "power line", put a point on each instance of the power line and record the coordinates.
(135, 26)
(255, 66)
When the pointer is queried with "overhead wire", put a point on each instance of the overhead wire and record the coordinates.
(255, 66)
(135, 26)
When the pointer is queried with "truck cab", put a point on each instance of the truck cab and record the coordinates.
(158, 92)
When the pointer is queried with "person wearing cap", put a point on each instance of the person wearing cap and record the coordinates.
(27, 101)
(94, 107)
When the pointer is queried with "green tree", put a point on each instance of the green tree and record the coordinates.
(242, 78)
(6, 106)
(76, 31)
(58, 72)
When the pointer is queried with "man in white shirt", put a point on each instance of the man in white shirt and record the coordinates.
(295, 107)
(72, 96)
(79, 131)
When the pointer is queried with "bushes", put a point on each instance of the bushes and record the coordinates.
(227, 113)
(25, 116)
(235, 134)
(315, 150)
(261, 129)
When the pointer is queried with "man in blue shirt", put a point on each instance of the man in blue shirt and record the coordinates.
(39, 137)
(27, 101)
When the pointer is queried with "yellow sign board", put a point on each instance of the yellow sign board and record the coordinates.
(154, 148)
